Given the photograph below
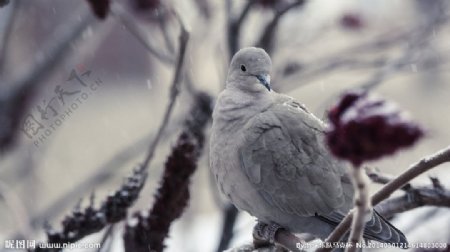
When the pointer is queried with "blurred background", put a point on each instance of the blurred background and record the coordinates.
(118, 70)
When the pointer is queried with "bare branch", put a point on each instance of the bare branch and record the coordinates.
(135, 30)
(415, 37)
(204, 8)
(415, 170)
(163, 26)
(235, 24)
(174, 90)
(388, 70)
(416, 44)
(107, 234)
(377, 177)
(321, 68)
(362, 207)
(380, 178)
(267, 39)
(230, 213)
(5, 39)
(413, 198)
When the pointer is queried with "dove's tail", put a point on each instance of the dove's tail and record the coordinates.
(379, 229)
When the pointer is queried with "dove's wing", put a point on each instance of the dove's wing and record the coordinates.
(284, 156)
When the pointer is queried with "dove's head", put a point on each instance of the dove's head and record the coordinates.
(250, 70)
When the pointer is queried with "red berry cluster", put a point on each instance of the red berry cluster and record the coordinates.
(364, 127)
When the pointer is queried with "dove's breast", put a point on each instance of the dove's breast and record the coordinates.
(226, 139)
(225, 165)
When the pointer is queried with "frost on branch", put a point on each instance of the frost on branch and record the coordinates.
(364, 127)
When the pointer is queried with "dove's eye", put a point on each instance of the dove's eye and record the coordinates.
(243, 68)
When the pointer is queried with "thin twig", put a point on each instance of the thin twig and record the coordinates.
(204, 8)
(229, 216)
(415, 170)
(321, 68)
(163, 26)
(6, 39)
(377, 177)
(362, 208)
(235, 24)
(388, 70)
(267, 39)
(413, 198)
(380, 178)
(137, 33)
(174, 90)
(108, 233)
(382, 42)
(417, 42)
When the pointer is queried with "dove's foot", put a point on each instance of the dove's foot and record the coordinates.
(264, 234)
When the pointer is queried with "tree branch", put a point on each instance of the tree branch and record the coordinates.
(434, 195)
(380, 178)
(5, 38)
(230, 213)
(267, 39)
(414, 170)
(362, 208)
(388, 66)
(377, 177)
(174, 90)
(235, 24)
(136, 32)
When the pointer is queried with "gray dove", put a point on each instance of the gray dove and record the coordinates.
(268, 157)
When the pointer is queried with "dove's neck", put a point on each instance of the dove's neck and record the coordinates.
(235, 108)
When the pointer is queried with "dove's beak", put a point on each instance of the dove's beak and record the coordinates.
(264, 79)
